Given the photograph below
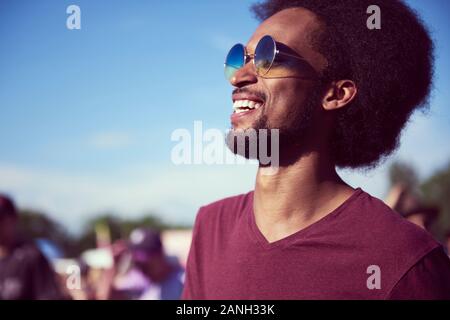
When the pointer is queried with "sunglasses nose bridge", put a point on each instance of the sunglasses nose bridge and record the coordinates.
(249, 56)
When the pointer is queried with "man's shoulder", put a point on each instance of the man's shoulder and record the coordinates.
(225, 209)
(383, 227)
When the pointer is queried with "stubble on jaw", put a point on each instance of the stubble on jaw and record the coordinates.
(292, 136)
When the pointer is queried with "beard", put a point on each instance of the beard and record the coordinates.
(258, 141)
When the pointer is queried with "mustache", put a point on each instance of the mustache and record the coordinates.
(258, 94)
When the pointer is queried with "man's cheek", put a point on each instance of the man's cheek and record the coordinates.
(278, 113)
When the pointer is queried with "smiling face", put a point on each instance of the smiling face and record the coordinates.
(275, 100)
(288, 103)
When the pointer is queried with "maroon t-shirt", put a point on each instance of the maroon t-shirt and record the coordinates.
(361, 250)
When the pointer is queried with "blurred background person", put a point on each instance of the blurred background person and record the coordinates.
(142, 270)
(408, 203)
(25, 273)
(163, 272)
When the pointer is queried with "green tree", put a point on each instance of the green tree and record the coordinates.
(35, 224)
(405, 174)
(436, 190)
(118, 228)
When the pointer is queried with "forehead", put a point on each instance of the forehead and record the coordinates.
(293, 27)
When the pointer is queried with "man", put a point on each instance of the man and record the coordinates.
(25, 274)
(152, 276)
(340, 94)
(164, 274)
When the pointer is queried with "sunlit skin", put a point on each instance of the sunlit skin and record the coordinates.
(304, 192)
(418, 219)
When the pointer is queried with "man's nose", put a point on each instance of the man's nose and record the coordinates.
(244, 76)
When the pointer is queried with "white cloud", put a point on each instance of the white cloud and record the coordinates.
(174, 192)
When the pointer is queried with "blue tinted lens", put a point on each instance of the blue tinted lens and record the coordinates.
(264, 55)
(234, 61)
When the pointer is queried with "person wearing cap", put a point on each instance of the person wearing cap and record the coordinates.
(152, 275)
(25, 274)
(164, 274)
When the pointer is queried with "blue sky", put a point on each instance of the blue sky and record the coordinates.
(86, 115)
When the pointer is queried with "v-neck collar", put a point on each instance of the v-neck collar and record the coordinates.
(286, 241)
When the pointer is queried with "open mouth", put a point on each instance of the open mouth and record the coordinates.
(242, 106)
(245, 108)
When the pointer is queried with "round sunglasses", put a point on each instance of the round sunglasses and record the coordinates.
(268, 60)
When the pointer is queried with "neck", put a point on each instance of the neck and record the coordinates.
(297, 195)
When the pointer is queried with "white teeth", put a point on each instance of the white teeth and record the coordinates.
(243, 105)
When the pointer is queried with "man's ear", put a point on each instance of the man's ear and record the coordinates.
(339, 94)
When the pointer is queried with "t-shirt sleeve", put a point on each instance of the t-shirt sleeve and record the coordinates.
(428, 279)
(193, 280)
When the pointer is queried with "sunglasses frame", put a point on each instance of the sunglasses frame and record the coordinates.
(253, 57)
